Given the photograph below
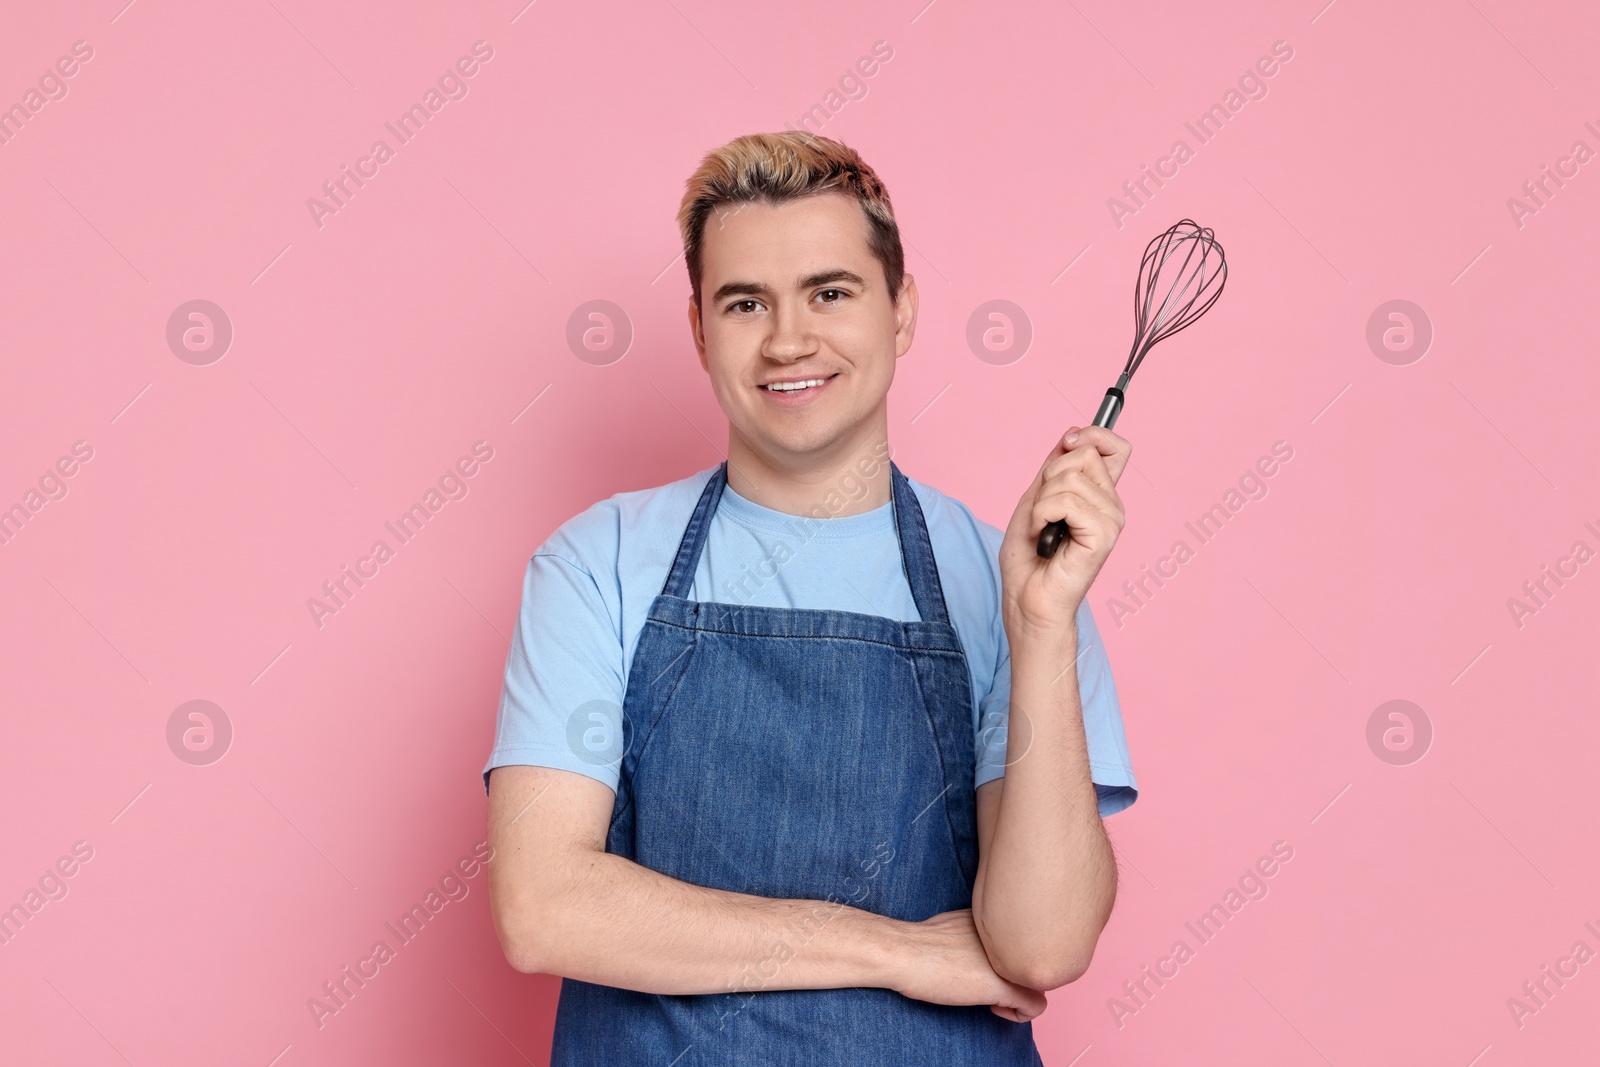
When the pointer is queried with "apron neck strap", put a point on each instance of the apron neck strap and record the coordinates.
(916, 551)
(694, 536)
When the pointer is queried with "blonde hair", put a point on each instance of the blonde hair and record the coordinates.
(777, 167)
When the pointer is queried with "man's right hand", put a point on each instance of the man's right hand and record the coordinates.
(944, 963)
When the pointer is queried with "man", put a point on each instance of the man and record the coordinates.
(798, 762)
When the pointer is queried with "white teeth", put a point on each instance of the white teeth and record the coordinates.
(790, 387)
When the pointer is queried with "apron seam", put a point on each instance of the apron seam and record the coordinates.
(944, 770)
(900, 647)
(694, 648)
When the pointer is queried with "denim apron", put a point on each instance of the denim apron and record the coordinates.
(806, 754)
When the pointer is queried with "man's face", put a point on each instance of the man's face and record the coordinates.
(791, 292)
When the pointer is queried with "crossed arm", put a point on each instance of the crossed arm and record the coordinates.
(563, 905)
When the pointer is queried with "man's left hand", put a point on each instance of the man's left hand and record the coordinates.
(1078, 483)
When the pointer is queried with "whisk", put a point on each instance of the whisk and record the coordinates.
(1166, 299)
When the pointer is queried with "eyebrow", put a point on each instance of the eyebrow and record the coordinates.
(837, 274)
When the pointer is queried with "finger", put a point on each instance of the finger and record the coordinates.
(1082, 504)
(1060, 448)
(1085, 444)
(1105, 441)
(1085, 459)
(1070, 450)
(1080, 461)
(1114, 449)
(1095, 450)
(1092, 531)
(1068, 506)
(1021, 516)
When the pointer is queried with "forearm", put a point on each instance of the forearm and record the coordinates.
(608, 920)
(1046, 885)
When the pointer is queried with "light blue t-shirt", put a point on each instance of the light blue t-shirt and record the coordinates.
(588, 589)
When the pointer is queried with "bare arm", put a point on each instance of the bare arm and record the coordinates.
(563, 905)
(1046, 874)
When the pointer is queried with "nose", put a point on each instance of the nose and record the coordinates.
(790, 338)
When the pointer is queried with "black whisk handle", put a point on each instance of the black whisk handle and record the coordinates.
(1054, 533)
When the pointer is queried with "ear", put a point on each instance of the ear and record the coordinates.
(905, 315)
(698, 333)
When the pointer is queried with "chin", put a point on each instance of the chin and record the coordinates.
(794, 446)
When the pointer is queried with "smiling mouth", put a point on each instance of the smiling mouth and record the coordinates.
(801, 386)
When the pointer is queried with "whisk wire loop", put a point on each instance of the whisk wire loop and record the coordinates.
(1179, 295)
(1185, 297)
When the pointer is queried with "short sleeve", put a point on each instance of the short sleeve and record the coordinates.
(1110, 767)
(561, 701)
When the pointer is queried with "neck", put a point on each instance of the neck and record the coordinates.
(848, 478)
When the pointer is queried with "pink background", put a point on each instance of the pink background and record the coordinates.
(428, 313)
